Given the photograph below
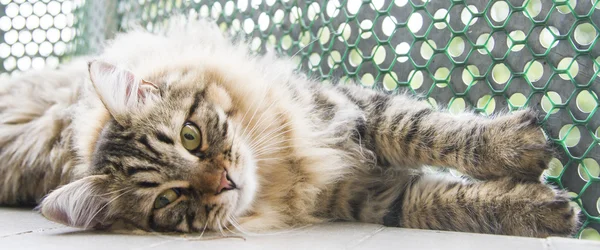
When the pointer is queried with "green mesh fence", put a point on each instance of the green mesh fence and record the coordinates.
(488, 55)
(34, 34)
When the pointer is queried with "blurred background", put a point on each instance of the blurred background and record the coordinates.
(487, 56)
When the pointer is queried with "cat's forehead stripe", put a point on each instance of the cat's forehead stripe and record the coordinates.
(144, 141)
(164, 137)
(132, 170)
(197, 98)
(118, 145)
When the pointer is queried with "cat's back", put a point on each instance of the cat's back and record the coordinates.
(34, 115)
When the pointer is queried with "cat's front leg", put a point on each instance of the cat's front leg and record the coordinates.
(510, 145)
(407, 132)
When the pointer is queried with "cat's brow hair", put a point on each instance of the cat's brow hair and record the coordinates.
(198, 96)
(164, 138)
(132, 170)
(147, 184)
(144, 141)
(119, 144)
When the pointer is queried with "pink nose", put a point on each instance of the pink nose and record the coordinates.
(226, 184)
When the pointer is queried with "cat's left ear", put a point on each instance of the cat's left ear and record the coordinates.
(121, 91)
(82, 203)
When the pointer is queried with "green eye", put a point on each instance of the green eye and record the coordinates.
(190, 137)
(167, 197)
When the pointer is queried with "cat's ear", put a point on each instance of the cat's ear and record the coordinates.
(81, 204)
(121, 91)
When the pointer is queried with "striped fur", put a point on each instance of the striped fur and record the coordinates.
(299, 152)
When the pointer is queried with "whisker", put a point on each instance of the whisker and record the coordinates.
(204, 229)
(301, 49)
(270, 159)
(271, 137)
(269, 146)
(267, 151)
(220, 228)
(199, 238)
(238, 227)
(235, 130)
(261, 135)
(262, 115)
(231, 231)
(253, 107)
(89, 221)
(316, 39)
(263, 112)
(256, 109)
(116, 191)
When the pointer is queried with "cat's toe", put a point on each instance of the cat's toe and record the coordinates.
(556, 217)
(518, 145)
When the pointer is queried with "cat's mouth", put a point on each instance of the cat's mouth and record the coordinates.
(226, 183)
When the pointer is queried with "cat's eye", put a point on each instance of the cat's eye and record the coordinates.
(191, 137)
(166, 197)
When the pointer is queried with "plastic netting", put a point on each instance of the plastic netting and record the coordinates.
(34, 34)
(488, 55)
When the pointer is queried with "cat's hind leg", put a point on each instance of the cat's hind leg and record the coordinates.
(495, 207)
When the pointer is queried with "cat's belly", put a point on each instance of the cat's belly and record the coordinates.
(366, 196)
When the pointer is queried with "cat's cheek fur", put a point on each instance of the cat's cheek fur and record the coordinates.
(250, 186)
(219, 97)
(79, 204)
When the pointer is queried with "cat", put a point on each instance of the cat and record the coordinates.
(187, 131)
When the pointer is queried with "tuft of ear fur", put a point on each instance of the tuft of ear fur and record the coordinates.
(218, 95)
(79, 204)
(121, 91)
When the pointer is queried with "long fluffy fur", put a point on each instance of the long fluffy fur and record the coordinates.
(303, 152)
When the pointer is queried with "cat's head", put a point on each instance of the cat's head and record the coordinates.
(169, 158)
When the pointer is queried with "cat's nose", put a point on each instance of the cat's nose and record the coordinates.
(226, 183)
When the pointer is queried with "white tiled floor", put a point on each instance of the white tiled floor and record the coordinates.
(24, 229)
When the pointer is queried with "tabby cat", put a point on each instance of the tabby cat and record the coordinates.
(187, 131)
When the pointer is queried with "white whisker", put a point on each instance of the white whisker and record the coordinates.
(253, 107)
(264, 135)
(266, 91)
(266, 151)
(263, 112)
(271, 137)
(261, 135)
(269, 159)
(239, 227)
(231, 231)
(116, 191)
(301, 49)
(220, 227)
(89, 221)
(262, 115)
(204, 229)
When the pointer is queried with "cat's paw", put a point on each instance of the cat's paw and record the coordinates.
(537, 210)
(516, 146)
(555, 217)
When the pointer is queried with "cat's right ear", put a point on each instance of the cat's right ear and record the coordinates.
(121, 91)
